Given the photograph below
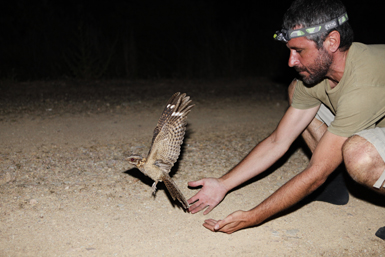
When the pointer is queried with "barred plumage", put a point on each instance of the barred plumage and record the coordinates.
(165, 146)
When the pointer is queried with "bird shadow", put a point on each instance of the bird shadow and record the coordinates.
(136, 173)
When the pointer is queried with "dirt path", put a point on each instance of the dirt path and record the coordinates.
(67, 191)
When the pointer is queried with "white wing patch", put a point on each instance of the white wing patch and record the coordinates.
(170, 106)
(176, 114)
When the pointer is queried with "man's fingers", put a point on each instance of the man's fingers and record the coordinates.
(220, 224)
(196, 207)
(208, 210)
(228, 225)
(196, 196)
(195, 183)
(208, 196)
(200, 206)
(210, 224)
(216, 225)
(192, 199)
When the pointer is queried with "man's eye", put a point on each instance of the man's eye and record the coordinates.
(298, 51)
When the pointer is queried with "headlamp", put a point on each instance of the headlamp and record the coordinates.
(285, 35)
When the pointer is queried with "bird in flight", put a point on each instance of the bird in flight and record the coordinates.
(166, 144)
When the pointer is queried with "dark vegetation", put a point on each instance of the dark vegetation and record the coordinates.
(152, 39)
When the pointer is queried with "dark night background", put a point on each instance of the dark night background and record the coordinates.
(153, 39)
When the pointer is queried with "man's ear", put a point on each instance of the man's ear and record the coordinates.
(332, 41)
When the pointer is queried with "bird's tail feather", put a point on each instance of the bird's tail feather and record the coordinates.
(174, 190)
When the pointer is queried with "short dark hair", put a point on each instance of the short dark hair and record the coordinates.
(308, 13)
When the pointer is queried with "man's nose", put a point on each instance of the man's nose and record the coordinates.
(293, 59)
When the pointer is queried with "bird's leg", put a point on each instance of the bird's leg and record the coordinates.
(154, 187)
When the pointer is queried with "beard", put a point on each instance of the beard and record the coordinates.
(318, 70)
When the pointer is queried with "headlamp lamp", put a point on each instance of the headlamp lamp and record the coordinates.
(285, 35)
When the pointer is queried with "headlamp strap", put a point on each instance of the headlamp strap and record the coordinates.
(319, 28)
(285, 35)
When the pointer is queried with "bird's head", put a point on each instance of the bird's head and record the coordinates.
(136, 160)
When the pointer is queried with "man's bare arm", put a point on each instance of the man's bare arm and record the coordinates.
(258, 160)
(325, 160)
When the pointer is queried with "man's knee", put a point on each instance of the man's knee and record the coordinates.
(291, 90)
(359, 159)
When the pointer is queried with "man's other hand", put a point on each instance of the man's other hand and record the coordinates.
(211, 194)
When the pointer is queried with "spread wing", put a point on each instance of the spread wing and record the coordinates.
(170, 130)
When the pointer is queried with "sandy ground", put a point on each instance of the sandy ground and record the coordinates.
(66, 189)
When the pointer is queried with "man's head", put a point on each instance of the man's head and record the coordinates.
(324, 34)
(310, 13)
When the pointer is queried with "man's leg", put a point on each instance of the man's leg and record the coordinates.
(334, 190)
(364, 157)
(363, 162)
(313, 133)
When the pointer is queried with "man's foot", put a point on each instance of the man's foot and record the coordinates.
(333, 191)
(381, 233)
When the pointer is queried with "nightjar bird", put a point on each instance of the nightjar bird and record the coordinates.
(166, 144)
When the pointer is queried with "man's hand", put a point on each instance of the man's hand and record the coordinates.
(211, 194)
(235, 221)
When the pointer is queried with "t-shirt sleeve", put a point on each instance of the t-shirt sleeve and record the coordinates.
(356, 113)
(303, 97)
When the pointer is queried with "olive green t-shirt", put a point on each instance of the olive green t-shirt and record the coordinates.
(358, 100)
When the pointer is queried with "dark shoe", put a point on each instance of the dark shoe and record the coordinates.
(381, 233)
